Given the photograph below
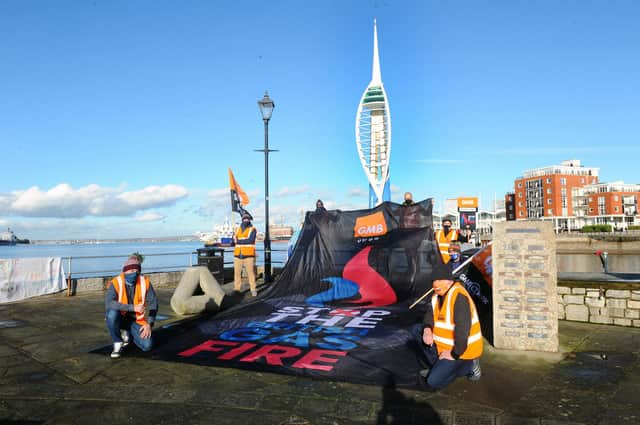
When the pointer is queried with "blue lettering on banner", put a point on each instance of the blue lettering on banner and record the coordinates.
(299, 335)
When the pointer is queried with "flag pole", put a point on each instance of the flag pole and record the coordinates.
(421, 298)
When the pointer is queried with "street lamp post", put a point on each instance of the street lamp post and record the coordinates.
(266, 109)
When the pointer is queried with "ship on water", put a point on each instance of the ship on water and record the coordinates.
(221, 236)
(280, 232)
(9, 238)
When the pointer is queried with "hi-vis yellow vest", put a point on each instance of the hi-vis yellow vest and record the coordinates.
(139, 296)
(444, 326)
(444, 242)
(245, 250)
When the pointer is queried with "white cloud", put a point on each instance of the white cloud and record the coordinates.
(292, 191)
(218, 193)
(150, 216)
(63, 201)
(356, 191)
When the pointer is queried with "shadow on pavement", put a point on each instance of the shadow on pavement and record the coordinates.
(398, 409)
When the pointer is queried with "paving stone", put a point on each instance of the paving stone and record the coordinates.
(40, 385)
(467, 418)
(516, 420)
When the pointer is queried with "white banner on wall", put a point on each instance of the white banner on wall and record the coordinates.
(22, 278)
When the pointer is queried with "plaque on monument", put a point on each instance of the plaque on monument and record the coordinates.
(525, 310)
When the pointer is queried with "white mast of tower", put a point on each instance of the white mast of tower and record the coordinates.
(373, 128)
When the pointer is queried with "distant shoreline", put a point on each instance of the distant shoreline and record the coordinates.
(188, 238)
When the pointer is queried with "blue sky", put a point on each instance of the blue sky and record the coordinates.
(120, 118)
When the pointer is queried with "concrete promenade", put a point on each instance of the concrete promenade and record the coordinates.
(49, 376)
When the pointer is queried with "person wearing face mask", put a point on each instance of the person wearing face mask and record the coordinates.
(129, 295)
(320, 209)
(444, 237)
(244, 254)
(450, 337)
(455, 258)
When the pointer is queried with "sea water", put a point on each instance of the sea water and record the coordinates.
(106, 259)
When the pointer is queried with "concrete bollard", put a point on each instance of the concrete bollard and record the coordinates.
(183, 300)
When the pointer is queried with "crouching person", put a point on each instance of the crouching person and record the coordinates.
(450, 336)
(128, 297)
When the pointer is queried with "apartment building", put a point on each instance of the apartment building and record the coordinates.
(546, 193)
(614, 203)
(571, 196)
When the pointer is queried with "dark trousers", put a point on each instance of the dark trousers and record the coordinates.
(443, 371)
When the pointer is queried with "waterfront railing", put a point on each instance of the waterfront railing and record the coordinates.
(110, 265)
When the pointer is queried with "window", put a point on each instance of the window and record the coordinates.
(521, 213)
(519, 184)
(615, 209)
(590, 209)
(519, 194)
(549, 202)
(550, 211)
(520, 203)
(563, 181)
(548, 180)
(615, 198)
(549, 191)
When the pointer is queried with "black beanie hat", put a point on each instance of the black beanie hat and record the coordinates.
(441, 272)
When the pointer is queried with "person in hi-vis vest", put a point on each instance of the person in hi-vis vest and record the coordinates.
(450, 337)
(129, 296)
(244, 254)
(444, 237)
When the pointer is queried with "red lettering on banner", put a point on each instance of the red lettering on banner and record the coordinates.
(236, 351)
(208, 345)
(273, 354)
(309, 359)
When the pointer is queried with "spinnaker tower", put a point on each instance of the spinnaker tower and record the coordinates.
(373, 132)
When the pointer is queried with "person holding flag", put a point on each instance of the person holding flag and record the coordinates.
(244, 253)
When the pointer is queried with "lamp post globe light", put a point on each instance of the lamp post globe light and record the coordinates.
(266, 106)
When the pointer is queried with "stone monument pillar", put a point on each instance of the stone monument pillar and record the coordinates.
(525, 310)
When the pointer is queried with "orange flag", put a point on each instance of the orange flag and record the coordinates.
(239, 197)
(483, 262)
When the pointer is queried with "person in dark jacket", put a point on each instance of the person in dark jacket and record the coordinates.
(450, 337)
(128, 297)
(320, 209)
(455, 256)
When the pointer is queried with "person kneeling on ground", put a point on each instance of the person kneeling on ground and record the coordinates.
(450, 337)
(128, 296)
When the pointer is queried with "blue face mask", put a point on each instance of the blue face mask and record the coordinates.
(454, 257)
(131, 278)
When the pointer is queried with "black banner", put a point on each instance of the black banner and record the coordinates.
(339, 310)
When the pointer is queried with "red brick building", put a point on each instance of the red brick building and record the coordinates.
(571, 196)
(614, 203)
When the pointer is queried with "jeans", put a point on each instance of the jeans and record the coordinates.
(117, 322)
(443, 372)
